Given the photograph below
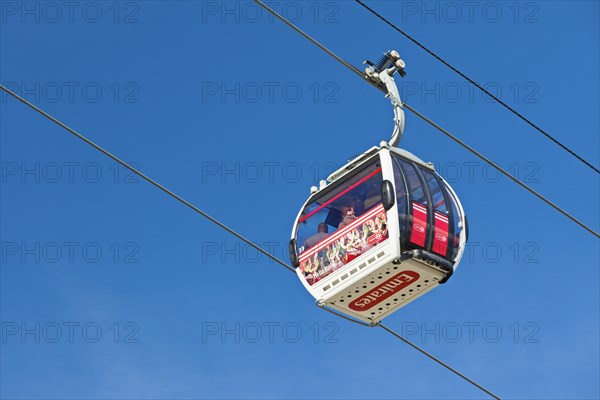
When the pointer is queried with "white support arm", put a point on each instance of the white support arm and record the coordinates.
(383, 73)
(394, 97)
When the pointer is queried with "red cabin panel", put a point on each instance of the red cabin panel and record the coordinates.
(419, 224)
(440, 235)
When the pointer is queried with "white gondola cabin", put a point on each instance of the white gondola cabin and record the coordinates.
(384, 230)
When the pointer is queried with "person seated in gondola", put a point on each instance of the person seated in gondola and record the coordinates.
(347, 216)
(322, 233)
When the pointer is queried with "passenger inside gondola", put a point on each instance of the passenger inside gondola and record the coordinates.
(322, 233)
(349, 216)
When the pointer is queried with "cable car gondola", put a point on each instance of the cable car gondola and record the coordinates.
(382, 230)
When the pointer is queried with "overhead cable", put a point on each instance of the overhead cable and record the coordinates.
(147, 178)
(438, 127)
(478, 86)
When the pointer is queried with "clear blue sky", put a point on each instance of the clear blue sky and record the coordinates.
(111, 289)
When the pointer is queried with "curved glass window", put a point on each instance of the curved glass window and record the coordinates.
(437, 195)
(442, 231)
(414, 183)
(342, 223)
(427, 212)
(401, 200)
(418, 213)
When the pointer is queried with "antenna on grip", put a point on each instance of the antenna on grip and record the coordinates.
(381, 74)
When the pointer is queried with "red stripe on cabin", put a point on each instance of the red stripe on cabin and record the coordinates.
(341, 232)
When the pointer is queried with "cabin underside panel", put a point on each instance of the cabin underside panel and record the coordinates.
(385, 290)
